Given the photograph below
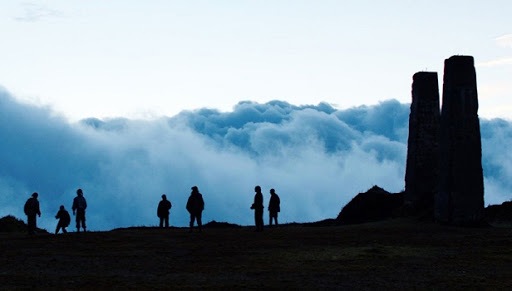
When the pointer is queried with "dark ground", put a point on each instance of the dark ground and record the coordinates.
(395, 254)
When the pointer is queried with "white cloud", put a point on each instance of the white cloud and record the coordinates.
(33, 12)
(506, 61)
(317, 158)
(504, 40)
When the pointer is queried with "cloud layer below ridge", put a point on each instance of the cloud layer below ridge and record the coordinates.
(316, 157)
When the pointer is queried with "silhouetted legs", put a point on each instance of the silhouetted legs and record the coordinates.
(196, 217)
(59, 227)
(164, 221)
(258, 219)
(272, 215)
(80, 219)
(31, 223)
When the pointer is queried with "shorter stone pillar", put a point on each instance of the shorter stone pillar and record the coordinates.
(422, 169)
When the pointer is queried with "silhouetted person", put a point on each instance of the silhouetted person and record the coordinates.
(258, 208)
(31, 209)
(163, 211)
(273, 206)
(79, 206)
(64, 220)
(195, 206)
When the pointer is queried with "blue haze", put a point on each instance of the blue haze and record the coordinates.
(315, 156)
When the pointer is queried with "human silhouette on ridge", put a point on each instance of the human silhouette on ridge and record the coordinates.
(64, 220)
(195, 206)
(31, 209)
(258, 207)
(79, 206)
(273, 207)
(163, 211)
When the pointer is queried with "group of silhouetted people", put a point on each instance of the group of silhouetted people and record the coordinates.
(195, 207)
(258, 207)
(79, 205)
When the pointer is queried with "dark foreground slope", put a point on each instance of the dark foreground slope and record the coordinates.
(396, 254)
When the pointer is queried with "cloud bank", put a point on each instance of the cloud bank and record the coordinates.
(315, 156)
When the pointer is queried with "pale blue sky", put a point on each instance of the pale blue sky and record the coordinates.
(150, 58)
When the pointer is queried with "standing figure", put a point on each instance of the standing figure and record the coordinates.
(273, 206)
(163, 211)
(258, 208)
(79, 206)
(64, 220)
(195, 206)
(31, 209)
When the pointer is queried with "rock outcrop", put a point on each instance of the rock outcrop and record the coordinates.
(372, 205)
(10, 223)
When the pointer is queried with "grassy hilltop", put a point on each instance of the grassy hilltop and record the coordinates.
(392, 254)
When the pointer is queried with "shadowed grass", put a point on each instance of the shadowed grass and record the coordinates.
(395, 254)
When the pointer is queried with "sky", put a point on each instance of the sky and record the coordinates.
(145, 59)
(134, 99)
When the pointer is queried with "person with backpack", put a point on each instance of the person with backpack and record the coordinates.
(31, 209)
(79, 206)
(163, 211)
(64, 220)
(195, 206)
(273, 207)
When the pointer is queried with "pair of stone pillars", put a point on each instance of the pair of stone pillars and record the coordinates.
(444, 176)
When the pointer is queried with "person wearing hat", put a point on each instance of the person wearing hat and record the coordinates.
(163, 211)
(31, 209)
(195, 206)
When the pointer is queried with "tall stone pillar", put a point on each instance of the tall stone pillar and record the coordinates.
(460, 199)
(422, 169)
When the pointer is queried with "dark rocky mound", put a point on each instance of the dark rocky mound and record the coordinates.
(10, 223)
(373, 205)
(499, 213)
